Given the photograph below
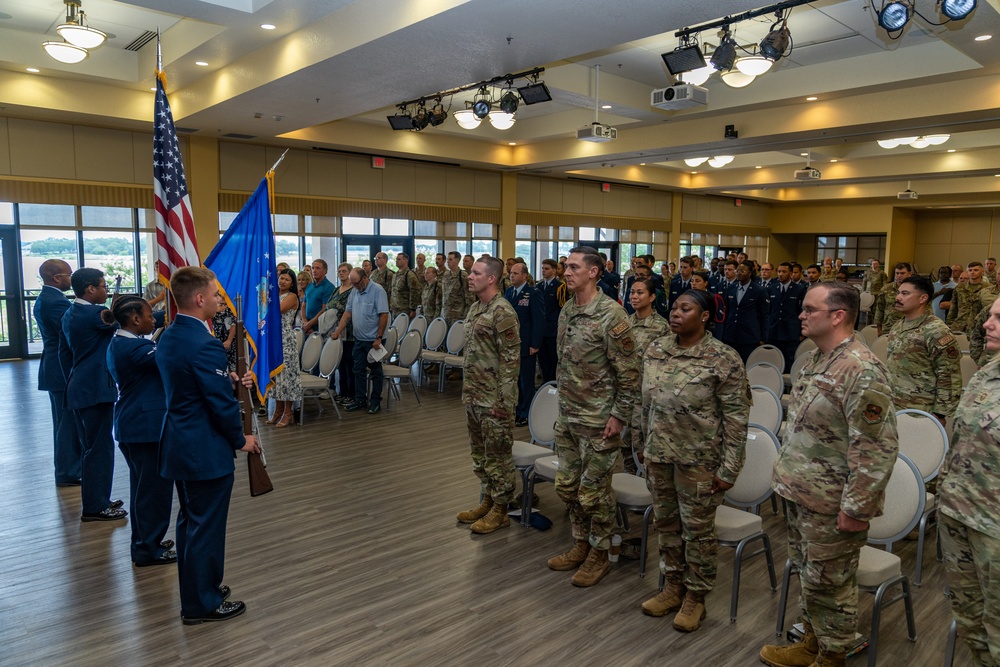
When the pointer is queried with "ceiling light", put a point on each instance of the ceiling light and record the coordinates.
(422, 119)
(501, 120)
(888, 143)
(811, 99)
(535, 92)
(267, 26)
(512, 143)
(438, 115)
(33, 70)
(698, 76)
(774, 45)
(894, 15)
(906, 140)
(804, 154)
(201, 63)
(759, 167)
(737, 79)
(983, 38)
(720, 160)
(695, 161)
(684, 58)
(694, 172)
(65, 52)
(833, 160)
(920, 142)
(605, 106)
(401, 121)
(753, 65)
(76, 31)
(466, 119)
(937, 139)
(482, 104)
(642, 164)
(508, 102)
(915, 142)
(724, 56)
(957, 10)
(951, 150)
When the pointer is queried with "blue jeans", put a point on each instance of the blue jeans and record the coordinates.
(361, 348)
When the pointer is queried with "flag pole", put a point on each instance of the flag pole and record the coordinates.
(279, 160)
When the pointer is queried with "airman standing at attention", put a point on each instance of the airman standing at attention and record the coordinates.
(405, 288)
(489, 391)
(874, 281)
(454, 287)
(382, 275)
(886, 314)
(598, 376)
(966, 300)
(430, 299)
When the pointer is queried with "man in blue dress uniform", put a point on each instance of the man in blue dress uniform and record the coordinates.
(527, 303)
(747, 311)
(784, 327)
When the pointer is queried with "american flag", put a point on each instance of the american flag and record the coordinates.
(176, 244)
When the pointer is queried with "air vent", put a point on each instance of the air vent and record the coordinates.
(234, 135)
(141, 41)
(186, 130)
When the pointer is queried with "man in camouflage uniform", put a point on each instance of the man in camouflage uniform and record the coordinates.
(489, 391)
(467, 262)
(828, 272)
(382, 275)
(430, 299)
(923, 356)
(886, 314)
(873, 282)
(598, 376)
(966, 300)
(990, 274)
(970, 508)
(839, 448)
(454, 287)
(419, 269)
(405, 296)
(977, 336)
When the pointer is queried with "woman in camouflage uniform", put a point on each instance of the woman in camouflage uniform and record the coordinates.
(647, 326)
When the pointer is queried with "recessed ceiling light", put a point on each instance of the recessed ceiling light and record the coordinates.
(605, 106)
(983, 38)
(804, 154)
(694, 172)
(642, 164)
(267, 26)
(832, 160)
(512, 143)
(951, 150)
(201, 63)
(33, 70)
(812, 99)
(758, 167)
(153, 89)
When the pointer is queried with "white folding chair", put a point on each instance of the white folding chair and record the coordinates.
(867, 301)
(880, 348)
(806, 345)
(542, 415)
(455, 343)
(401, 322)
(793, 373)
(313, 385)
(766, 353)
(310, 353)
(969, 368)
(878, 570)
(858, 336)
(299, 340)
(434, 337)
(924, 441)
(409, 354)
(767, 375)
(963, 341)
(766, 408)
(327, 322)
(632, 494)
(419, 324)
(870, 333)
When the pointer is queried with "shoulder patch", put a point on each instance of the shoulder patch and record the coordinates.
(873, 414)
(628, 344)
(620, 329)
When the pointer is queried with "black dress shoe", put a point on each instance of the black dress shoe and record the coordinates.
(110, 514)
(167, 544)
(521, 421)
(226, 592)
(68, 482)
(375, 408)
(115, 504)
(352, 407)
(226, 611)
(166, 558)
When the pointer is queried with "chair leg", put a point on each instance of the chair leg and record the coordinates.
(525, 503)
(783, 600)
(734, 599)
(774, 504)
(415, 394)
(922, 526)
(949, 648)
(911, 625)
(645, 534)
(876, 618)
(770, 562)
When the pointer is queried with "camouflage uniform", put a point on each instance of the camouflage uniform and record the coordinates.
(970, 515)
(695, 408)
(598, 375)
(839, 448)
(383, 277)
(827, 275)
(421, 281)
(966, 303)
(886, 314)
(645, 332)
(431, 300)
(492, 362)
(923, 366)
(454, 288)
(405, 292)
(874, 282)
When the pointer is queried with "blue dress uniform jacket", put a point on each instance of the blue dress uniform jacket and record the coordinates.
(203, 427)
(530, 310)
(783, 320)
(746, 320)
(141, 401)
(676, 289)
(88, 382)
(50, 306)
(551, 303)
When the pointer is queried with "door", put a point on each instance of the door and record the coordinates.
(12, 324)
(359, 248)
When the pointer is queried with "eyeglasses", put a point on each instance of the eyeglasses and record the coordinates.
(809, 310)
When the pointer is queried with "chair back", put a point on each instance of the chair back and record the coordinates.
(753, 486)
(419, 324)
(327, 322)
(299, 339)
(805, 346)
(329, 358)
(766, 408)
(543, 413)
(880, 348)
(904, 504)
(401, 322)
(768, 353)
(310, 352)
(870, 333)
(456, 338)
(391, 340)
(963, 342)
(867, 300)
(969, 368)
(409, 349)
(858, 336)
(797, 366)
(766, 375)
(436, 331)
(923, 440)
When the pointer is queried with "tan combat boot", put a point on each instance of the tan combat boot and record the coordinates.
(470, 516)
(801, 654)
(666, 600)
(689, 618)
(495, 519)
(828, 659)
(572, 559)
(593, 569)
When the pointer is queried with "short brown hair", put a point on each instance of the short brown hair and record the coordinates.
(494, 267)
(188, 281)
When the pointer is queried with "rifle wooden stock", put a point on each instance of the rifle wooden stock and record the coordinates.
(260, 482)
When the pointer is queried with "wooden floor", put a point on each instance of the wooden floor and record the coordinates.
(356, 559)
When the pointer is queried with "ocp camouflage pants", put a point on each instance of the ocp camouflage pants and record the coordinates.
(827, 561)
(583, 482)
(684, 512)
(490, 442)
(972, 570)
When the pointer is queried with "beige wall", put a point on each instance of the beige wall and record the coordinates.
(956, 237)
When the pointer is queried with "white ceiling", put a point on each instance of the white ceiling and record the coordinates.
(333, 69)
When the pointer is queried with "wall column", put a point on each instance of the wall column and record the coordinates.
(203, 184)
(676, 212)
(508, 215)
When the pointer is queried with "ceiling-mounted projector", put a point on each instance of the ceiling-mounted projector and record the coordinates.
(679, 96)
(597, 132)
(808, 174)
(906, 194)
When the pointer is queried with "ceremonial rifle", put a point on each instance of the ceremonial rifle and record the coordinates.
(260, 482)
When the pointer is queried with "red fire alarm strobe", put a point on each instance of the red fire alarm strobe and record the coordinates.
(738, 202)
(378, 162)
(605, 187)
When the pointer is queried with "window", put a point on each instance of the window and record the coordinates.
(46, 215)
(388, 227)
(853, 250)
(38, 245)
(114, 254)
(95, 216)
(363, 226)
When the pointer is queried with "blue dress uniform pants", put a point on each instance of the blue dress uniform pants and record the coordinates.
(95, 423)
(67, 451)
(201, 542)
(525, 385)
(150, 497)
